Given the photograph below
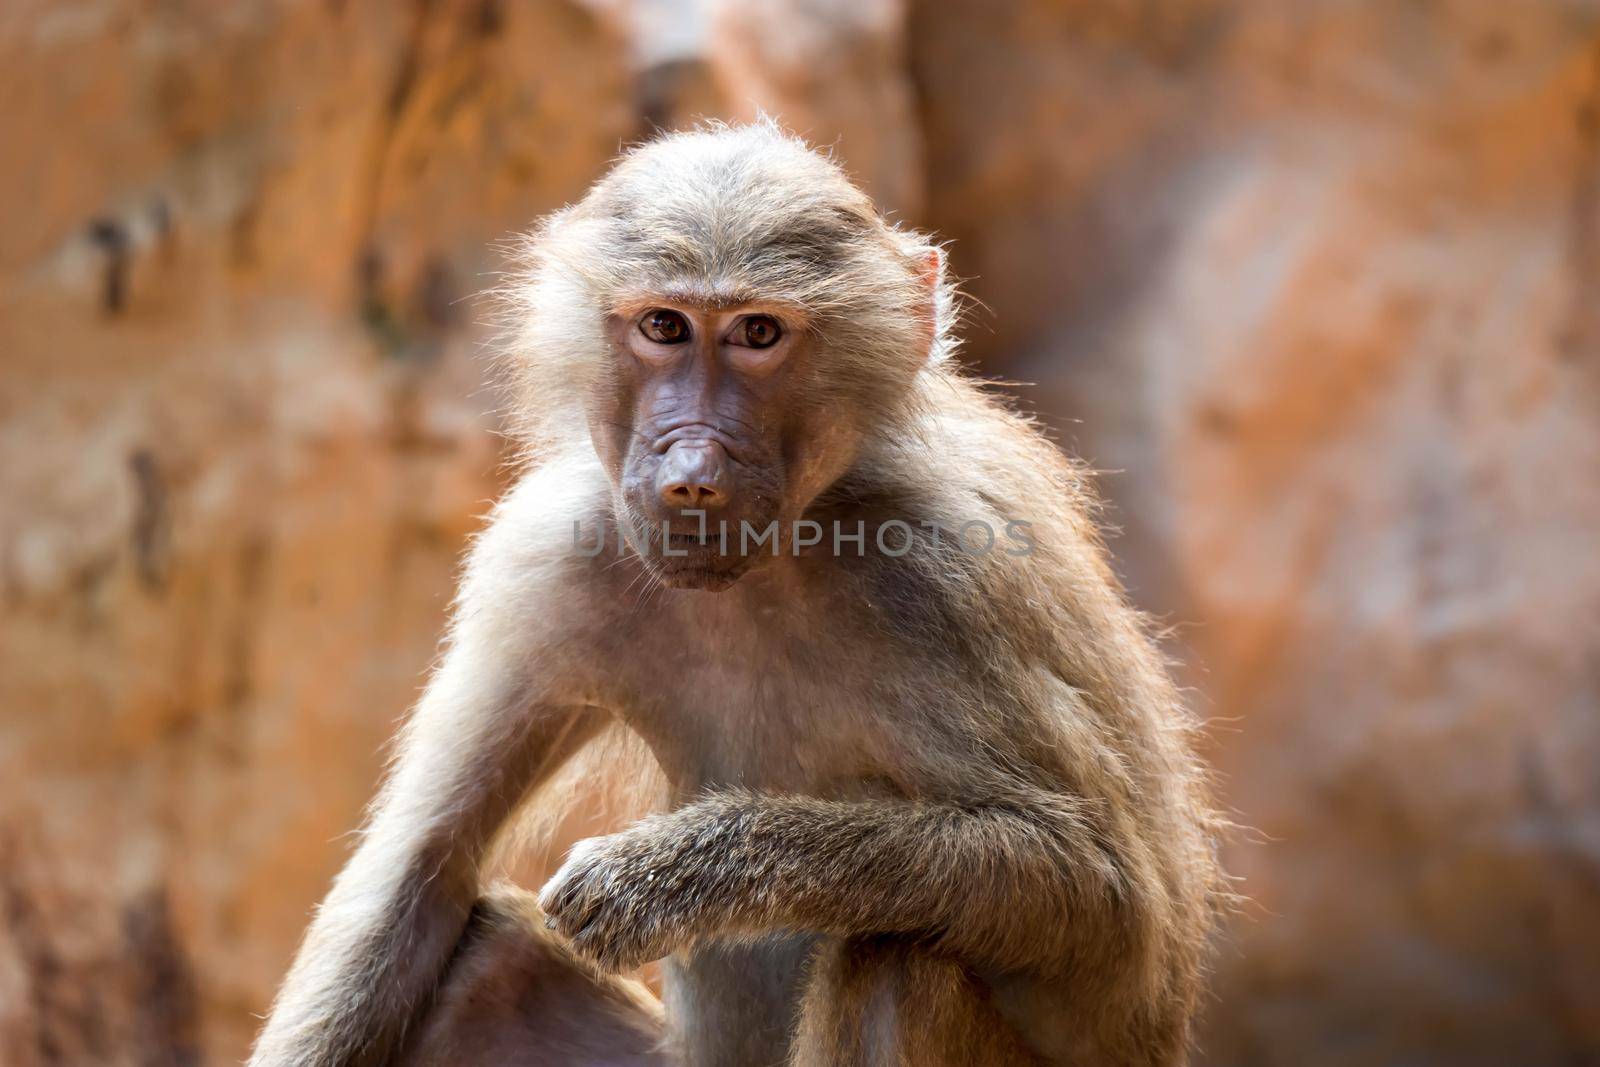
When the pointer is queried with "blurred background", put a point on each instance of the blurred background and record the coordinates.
(1315, 282)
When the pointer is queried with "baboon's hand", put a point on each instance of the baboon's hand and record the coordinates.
(610, 899)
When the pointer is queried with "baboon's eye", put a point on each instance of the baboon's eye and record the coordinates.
(665, 327)
(757, 331)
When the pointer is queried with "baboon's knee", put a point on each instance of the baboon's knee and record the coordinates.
(883, 1003)
(514, 997)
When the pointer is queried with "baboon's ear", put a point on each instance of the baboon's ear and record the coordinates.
(931, 274)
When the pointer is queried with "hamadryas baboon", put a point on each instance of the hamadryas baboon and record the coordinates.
(930, 791)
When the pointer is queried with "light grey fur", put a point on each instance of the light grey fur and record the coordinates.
(961, 785)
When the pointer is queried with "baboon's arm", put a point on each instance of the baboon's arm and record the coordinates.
(1007, 885)
(485, 732)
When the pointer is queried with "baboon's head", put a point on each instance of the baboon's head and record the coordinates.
(733, 318)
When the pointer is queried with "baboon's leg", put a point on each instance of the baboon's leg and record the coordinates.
(514, 997)
(882, 1003)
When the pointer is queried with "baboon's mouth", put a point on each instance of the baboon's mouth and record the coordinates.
(692, 540)
(693, 567)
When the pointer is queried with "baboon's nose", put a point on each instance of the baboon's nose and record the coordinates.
(695, 474)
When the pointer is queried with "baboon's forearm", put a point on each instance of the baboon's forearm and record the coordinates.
(370, 959)
(382, 938)
(980, 882)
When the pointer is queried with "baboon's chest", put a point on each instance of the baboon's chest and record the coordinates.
(780, 722)
(773, 701)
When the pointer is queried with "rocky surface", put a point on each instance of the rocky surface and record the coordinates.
(1318, 283)
(1315, 283)
(244, 436)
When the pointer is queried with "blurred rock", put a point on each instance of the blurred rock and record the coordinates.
(244, 432)
(836, 72)
(1318, 284)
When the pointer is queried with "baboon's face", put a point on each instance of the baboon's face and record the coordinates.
(707, 437)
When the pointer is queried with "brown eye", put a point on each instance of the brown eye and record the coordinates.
(665, 327)
(759, 331)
